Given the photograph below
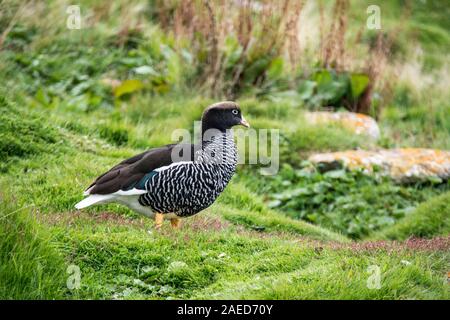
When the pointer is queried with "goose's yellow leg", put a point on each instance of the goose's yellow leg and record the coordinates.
(175, 222)
(159, 218)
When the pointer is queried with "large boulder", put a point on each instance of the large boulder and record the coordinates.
(356, 122)
(405, 165)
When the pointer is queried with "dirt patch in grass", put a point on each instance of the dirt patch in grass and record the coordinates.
(200, 223)
(73, 218)
(196, 224)
(204, 222)
(416, 244)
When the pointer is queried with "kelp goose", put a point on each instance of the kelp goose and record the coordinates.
(176, 180)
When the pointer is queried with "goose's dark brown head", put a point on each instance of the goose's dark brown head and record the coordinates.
(222, 116)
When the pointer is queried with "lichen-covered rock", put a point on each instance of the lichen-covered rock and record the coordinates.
(408, 164)
(356, 122)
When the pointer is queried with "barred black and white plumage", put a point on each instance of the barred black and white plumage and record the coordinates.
(192, 186)
(154, 183)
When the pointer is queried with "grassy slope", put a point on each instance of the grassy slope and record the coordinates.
(30, 267)
(218, 253)
(121, 256)
(209, 260)
(430, 219)
(419, 114)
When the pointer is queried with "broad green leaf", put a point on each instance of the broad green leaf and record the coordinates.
(161, 88)
(358, 83)
(322, 77)
(145, 70)
(275, 68)
(42, 97)
(288, 97)
(306, 89)
(187, 56)
(434, 179)
(335, 174)
(128, 86)
(333, 90)
(255, 70)
(274, 203)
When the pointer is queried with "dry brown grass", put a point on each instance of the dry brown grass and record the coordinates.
(274, 29)
(262, 29)
(333, 50)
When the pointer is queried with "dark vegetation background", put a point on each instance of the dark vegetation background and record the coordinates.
(75, 102)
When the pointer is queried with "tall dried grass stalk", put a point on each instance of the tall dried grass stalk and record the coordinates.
(271, 29)
(333, 52)
(292, 30)
(260, 27)
(24, 6)
(377, 67)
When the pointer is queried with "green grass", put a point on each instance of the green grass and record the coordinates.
(320, 277)
(208, 259)
(350, 202)
(61, 126)
(417, 120)
(22, 134)
(430, 219)
(30, 265)
(236, 248)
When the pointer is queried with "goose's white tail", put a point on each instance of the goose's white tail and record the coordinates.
(94, 199)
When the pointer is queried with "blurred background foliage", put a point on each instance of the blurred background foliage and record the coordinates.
(312, 54)
(74, 102)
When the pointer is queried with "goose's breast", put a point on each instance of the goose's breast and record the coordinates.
(185, 189)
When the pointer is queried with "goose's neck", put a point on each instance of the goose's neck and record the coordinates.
(220, 148)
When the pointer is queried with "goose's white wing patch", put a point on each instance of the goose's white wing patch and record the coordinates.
(175, 164)
(105, 198)
(94, 199)
(88, 191)
(131, 192)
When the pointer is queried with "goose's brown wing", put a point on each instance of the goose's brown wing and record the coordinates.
(129, 173)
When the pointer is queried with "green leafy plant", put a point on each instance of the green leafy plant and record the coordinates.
(350, 202)
(330, 88)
